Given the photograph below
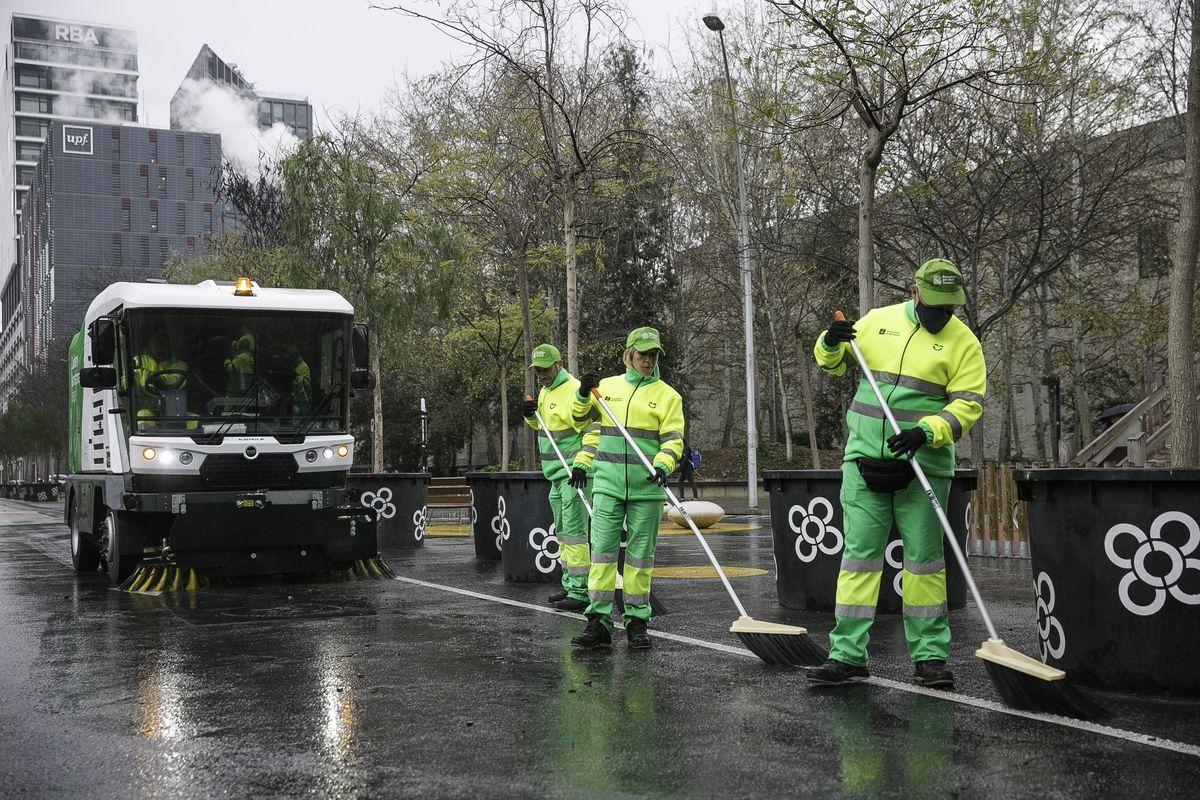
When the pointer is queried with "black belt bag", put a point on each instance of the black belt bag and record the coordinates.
(892, 475)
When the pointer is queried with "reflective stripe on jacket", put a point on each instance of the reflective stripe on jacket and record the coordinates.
(555, 405)
(935, 380)
(652, 412)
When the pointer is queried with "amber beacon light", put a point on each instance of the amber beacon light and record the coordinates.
(243, 288)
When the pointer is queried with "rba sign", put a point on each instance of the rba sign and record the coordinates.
(77, 139)
(75, 33)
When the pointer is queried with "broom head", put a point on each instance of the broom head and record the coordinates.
(778, 645)
(1030, 685)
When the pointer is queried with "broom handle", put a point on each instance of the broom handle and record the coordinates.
(674, 502)
(937, 507)
(558, 453)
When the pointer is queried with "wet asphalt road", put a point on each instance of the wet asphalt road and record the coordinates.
(378, 689)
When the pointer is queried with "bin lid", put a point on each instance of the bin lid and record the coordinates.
(1113, 474)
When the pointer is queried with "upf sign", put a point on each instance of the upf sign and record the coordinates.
(77, 139)
(75, 33)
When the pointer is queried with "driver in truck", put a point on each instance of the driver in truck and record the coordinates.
(155, 371)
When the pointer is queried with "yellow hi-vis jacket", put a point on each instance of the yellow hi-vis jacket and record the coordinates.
(933, 380)
(652, 412)
(555, 405)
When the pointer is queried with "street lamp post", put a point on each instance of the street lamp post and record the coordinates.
(714, 23)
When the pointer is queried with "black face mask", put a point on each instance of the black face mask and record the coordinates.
(933, 319)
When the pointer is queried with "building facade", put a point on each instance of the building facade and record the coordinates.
(105, 203)
(270, 108)
(54, 70)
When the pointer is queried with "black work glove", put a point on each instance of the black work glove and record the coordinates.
(587, 383)
(659, 477)
(840, 331)
(907, 442)
(529, 408)
(578, 479)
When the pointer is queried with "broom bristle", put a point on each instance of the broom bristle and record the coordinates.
(779, 645)
(1030, 685)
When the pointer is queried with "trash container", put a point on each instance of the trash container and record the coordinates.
(485, 527)
(1115, 556)
(398, 499)
(806, 524)
(530, 546)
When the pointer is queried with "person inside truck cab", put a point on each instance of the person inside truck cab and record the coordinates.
(239, 367)
(155, 370)
(300, 377)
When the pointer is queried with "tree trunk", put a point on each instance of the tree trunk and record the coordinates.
(806, 396)
(727, 431)
(377, 406)
(504, 437)
(1185, 421)
(1083, 401)
(866, 221)
(572, 291)
(527, 438)
(1004, 448)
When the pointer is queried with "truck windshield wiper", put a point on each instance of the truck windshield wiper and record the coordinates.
(306, 424)
(237, 411)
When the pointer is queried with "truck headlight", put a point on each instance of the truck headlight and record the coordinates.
(343, 450)
(166, 457)
(328, 452)
(149, 453)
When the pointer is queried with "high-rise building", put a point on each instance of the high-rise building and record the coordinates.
(270, 108)
(54, 70)
(105, 203)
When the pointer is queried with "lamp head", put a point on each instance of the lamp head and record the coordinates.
(713, 22)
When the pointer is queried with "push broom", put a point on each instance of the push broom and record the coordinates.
(656, 606)
(776, 644)
(1022, 682)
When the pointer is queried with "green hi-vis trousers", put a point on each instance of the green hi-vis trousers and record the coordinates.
(867, 518)
(571, 525)
(641, 519)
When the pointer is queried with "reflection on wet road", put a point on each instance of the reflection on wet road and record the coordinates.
(430, 686)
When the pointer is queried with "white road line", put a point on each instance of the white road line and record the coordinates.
(967, 700)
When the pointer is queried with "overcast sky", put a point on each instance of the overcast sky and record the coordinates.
(343, 55)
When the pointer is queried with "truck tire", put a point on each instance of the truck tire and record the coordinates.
(119, 528)
(85, 556)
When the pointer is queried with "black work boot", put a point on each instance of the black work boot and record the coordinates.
(569, 604)
(594, 635)
(635, 632)
(835, 673)
(933, 673)
(558, 596)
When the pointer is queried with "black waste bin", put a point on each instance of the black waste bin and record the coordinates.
(806, 522)
(485, 527)
(529, 544)
(398, 499)
(1116, 574)
(42, 492)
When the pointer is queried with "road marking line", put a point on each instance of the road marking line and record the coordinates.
(967, 700)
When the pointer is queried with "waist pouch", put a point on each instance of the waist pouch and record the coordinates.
(892, 475)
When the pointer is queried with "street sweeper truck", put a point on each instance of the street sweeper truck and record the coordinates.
(209, 434)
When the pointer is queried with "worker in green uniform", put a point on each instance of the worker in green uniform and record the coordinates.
(554, 403)
(155, 370)
(239, 367)
(652, 412)
(929, 366)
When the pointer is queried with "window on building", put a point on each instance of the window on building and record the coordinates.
(191, 244)
(208, 217)
(33, 77)
(116, 177)
(162, 182)
(28, 151)
(31, 127)
(276, 111)
(126, 214)
(289, 115)
(116, 143)
(33, 103)
(164, 250)
(189, 180)
(153, 147)
(154, 216)
(25, 175)
(180, 218)
(144, 251)
(144, 179)
(117, 254)
(1153, 243)
(180, 149)
(264, 113)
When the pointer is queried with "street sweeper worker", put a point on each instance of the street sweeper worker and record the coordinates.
(155, 370)
(554, 403)
(623, 490)
(930, 369)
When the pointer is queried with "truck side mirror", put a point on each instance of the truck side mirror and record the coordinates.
(98, 378)
(104, 340)
(360, 346)
(362, 379)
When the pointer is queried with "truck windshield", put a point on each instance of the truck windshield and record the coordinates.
(218, 373)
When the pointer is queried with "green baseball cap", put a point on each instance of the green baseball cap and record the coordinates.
(644, 340)
(940, 283)
(544, 355)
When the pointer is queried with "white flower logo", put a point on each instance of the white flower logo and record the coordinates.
(381, 502)
(500, 525)
(542, 541)
(474, 513)
(419, 517)
(895, 557)
(1047, 622)
(1175, 558)
(809, 518)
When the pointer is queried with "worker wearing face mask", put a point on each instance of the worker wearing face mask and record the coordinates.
(929, 366)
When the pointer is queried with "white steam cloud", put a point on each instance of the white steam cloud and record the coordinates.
(217, 108)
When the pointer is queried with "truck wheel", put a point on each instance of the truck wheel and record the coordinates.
(85, 556)
(118, 528)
